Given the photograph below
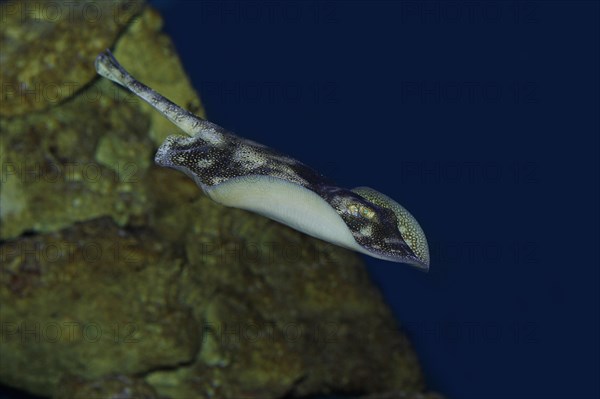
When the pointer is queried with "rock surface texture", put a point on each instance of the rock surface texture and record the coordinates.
(120, 279)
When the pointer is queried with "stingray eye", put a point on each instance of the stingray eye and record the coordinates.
(361, 210)
(367, 212)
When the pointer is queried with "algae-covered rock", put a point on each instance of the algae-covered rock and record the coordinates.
(243, 306)
(85, 301)
(117, 386)
(89, 156)
(120, 279)
(46, 48)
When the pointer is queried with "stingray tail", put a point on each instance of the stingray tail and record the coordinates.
(107, 66)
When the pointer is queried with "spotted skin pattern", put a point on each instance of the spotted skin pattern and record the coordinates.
(232, 157)
(212, 156)
(211, 164)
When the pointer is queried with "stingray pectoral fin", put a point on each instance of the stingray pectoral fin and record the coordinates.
(287, 203)
(409, 228)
